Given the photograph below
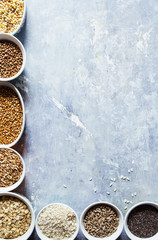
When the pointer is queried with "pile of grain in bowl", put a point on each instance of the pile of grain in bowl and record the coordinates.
(11, 115)
(101, 221)
(11, 59)
(57, 221)
(11, 14)
(11, 167)
(15, 217)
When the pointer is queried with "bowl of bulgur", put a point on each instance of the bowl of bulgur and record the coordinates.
(12, 57)
(12, 14)
(12, 115)
(12, 169)
(17, 218)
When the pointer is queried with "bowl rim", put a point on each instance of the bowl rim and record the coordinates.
(115, 235)
(16, 184)
(7, 84)
(128, 232)
(39, 232)
(28, 233)
(10, 37)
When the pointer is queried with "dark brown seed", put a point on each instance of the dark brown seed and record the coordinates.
(11, 59)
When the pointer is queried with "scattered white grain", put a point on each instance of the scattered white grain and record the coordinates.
(125, 208)
(95, 190)
(64, 186)
(111, 184)
(131, 169)
(115, 189)
(90, 179)
(108, 193)
(135, 194)
(128, 179)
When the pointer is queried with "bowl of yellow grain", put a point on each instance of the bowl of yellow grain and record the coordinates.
(12, 14)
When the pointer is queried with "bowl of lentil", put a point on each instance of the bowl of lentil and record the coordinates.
(101, 220)
(12, 14)
(17, 218)
(12, 57)
(12, 115)
(141, 221)
(12, 169)
(57, 221)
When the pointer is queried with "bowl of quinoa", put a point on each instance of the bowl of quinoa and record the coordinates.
(12, 15)
(12, 57)
(12, 115)
(57, 221)
(12, 169)
(17, 217)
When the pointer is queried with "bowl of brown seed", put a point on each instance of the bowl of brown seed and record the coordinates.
(101, 220)
(12, 57)
(17, 218)
(13, 14)
(141, 221)
(12, 115)
(12, 169)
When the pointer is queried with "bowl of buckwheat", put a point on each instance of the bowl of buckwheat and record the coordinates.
(12, 169)
(12, 56)
(17, 218)
(12, 115)
(13, 14)
(57, 221)
(101, 220)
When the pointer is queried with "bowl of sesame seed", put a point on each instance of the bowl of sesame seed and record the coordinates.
(12, 57)
(101, 220)
(57, 221)
(17, 218)
(12, 115)
(12, 14)
(12, 169)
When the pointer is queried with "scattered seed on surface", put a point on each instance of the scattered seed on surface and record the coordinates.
(11, 13)
(143, 221)
(15, 217)
(108, 193)
(101, 221)
(11, 59)
(11, 115)
(11, 167)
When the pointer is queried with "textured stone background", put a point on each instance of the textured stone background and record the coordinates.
(90, 89)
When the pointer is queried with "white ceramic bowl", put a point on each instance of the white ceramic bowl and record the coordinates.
(22, 104)
(9, 37)
(115, 235)
(26, 235)
(128, 232)
(42, 236)
(22, 20)
(15, 185)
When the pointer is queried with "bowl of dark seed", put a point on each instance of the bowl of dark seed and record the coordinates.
(12, 57)
(57, 221)
(101, 220)
(141, 221)
(12, 115)
(17, 218)
(12, 169)
(12, 14)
